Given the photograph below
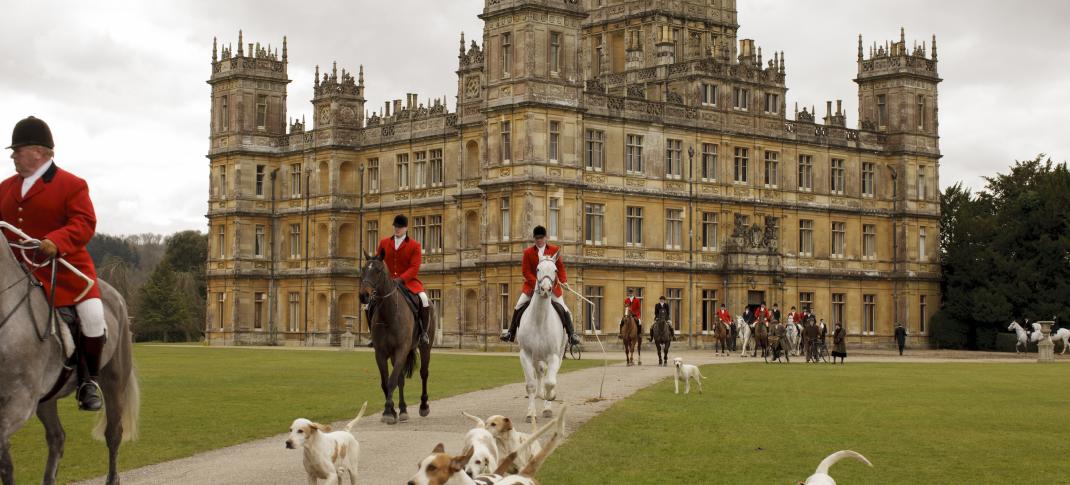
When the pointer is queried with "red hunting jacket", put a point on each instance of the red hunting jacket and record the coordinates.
(57, 207)
(762, 313)
(403, 262)
(530, 268)
(724, 316)
(634, 305)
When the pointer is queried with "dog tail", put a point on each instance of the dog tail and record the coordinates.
(558, 436)
(349, 427)
(479, 421)
(827, 463)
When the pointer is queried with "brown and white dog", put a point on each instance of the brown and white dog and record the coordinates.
(441, 468)
(509, 440)
(821, 476)
(328, 455)
(480, 445)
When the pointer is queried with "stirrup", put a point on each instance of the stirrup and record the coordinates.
(506, 336)
(79, 396)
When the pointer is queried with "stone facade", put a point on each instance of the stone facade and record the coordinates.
(654, 145)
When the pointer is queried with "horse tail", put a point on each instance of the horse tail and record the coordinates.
(131, 405)
(410, 363)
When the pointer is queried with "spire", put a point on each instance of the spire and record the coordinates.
(860, 57)
(316, 78)
(284, 53)
(934, 47)
(361, 76)
(902, 38)
(240, 52)
(214, 47)
(782, 71)
(334, 71)
(462, 43)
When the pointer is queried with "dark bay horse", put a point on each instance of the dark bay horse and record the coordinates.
(761, 337)
(31, 366)
(629, 333)
(394, 334)
(662, 334)
(720, 334)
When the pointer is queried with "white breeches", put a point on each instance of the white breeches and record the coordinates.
(423, 299)
(524, 298)
(91, 314)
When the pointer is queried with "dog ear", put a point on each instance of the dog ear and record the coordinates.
(458, 463)
(320, 427)
(439, 449)
(507, 425)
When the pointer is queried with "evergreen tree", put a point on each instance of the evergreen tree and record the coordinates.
(163, 313)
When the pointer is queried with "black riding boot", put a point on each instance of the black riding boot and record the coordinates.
(88, 391)
(424, 323)
(510, 335)
(566, 321)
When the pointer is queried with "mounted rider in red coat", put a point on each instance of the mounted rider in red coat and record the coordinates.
(724, 316)
(402, 256)
(635, 306)
(762, 313)
(52, 205)
(530, 268)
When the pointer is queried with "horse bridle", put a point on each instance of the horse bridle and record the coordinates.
(538, 284)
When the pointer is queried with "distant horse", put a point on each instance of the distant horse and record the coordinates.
(745, 334)
(31, 369)
(629, 333)
(541, 339)
(720, 334)
(1062, 335)
(662, 332)
(1023, 337)
(394, 335)
(761, 337)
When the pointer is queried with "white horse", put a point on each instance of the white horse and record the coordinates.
(1023, 337)
(745, 334)
(1062, 335)
(794, 335)
(542, 341)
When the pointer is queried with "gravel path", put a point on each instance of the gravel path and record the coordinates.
(390, 454)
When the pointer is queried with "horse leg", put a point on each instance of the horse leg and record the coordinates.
(403, 409)
(54, 435)
(639, 348)
(389, 417)
(7, 469)
(550, 385)
(425, 366)
(530, 384)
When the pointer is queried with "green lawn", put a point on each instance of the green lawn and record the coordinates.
(200, 398)
(917, 423)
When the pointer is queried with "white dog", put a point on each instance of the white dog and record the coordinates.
(689, 372)
(480, 445)
(328, 455)
(821, 476)
(509, 440)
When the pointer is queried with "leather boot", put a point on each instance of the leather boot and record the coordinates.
(88, 394)
(425, 323)
(510, 335)
(566, 321)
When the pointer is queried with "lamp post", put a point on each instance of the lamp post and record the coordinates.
(690, 244)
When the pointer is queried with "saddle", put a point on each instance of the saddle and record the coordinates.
(411, 299)
(70, 331)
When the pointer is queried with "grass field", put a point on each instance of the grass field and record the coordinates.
(196, 399)
(917, 423)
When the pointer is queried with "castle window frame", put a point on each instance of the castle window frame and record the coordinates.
(555, 141)
(634, 154)
(836, 176)
(224, 113)
(882, 110)
(507, 53)
(402, 166)
(419, 168)
(554, 219)
(373, 175)
(261, 112)
(594, 155)
(260, 173)
(434, 235)
(258, 241)
(772, 103)
(221, 241)
(869, 179)
(839, 305)
(295, 180)
(709, 95)
(594, 217)
(741, 98)
(419, 231)
(806, 173)
(673, 159)
(709, 231)
(923, 256)
(371, 231)
(709, 162)
(740, 165)
(295, 241)
(258, 310)
(869, 242)
(507, 142)
(772, 169)
(435, 167)
(634, 227)
(294, 322)
(921, 112)
(839, 239)
(555, 52)
(221, 190)
(922, 184)
(506, 225)
(674, 228)
(869, 314)
(806, 238)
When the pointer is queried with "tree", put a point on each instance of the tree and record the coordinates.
(163, 314)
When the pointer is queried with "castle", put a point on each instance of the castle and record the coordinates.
(656, 147)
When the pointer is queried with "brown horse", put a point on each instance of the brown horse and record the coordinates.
(629, 332)
(661, 332)
(761, 337)
(395, 335)
(720, 334)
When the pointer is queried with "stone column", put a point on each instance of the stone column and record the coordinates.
(1045, 348)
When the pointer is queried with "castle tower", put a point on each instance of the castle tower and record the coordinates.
(897, 93)
(248, 93)
(338, 99)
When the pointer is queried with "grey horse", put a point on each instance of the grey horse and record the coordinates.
(31, 366)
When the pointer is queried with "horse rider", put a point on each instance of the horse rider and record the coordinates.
(53, 205)
(635, 307)
(762, 313)
(724, 317)
(776, 312)
(823, 330)
(530, 268)
(661, 312)
(403, 256)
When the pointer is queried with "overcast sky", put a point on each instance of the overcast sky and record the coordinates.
(122, 83)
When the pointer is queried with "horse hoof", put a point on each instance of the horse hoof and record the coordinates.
(388, 419)
(403, 417)
(424, 410)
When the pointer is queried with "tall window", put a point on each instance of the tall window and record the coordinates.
(869, 176)
(674, 297)
(295, 180)
(371, 235)
(674, 228)
(258, 241)
(507, 143)
(634, 230)
(921, 112)
(222, 181)
(224, 114)
(555, 218)
(507, 222)
(419, 165)
(555, 144)
(836, 173)
(839, 238)
(673, 164)
(839, 301)
(742, 99)
(709, 95)
(593, 214)
(595, 151)
(220, 301)
(921, 314)
(882, 110)
(709, 162)
(436, 167)
(221, 241)
(435, 297)
(634, 154)
(806, 300)
(806, 238)
(373, 175)
(293, 322)
(506, 316)
(772, 103)
(709, 231)
(869, 241)
(806, 173)
(419, 231)
(869, 313)
(434, 235)
(295, 241)
(923, 184)
(403, 170)
(507, 53)
(555, 52)
(258, 310)
(772, 165)
(739, 167)
(709, 311)
(260, 173)
(593, 312)
(921, 245)
(261, 112)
